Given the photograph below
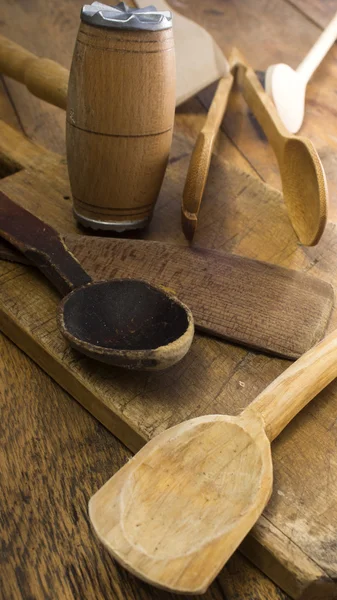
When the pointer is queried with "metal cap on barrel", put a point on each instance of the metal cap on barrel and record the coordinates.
(122, 16)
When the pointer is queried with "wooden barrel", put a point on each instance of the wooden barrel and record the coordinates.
(120, 114)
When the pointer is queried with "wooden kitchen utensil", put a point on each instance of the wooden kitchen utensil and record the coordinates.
(199, 59)
(201, 157)
(176, 512)
(287, 86)
(44, 78)
(293, 542)
(123, 322)
(303, 178)
(222, 290)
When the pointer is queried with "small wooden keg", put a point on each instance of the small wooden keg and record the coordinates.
(120, 114)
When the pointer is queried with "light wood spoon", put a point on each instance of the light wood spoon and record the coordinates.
(303, 179)
(201, 157)
(175, 513)
(287, 87)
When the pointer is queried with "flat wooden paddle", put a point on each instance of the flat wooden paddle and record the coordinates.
(175, 513)
(252, 303)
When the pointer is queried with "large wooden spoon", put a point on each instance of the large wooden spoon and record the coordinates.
(176, 512)
(303, 178)
(124, 322)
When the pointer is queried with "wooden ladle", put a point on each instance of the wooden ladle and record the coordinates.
(175, 513)
(124, 322)
(303, 178)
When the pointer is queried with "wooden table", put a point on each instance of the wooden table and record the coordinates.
(53, 453)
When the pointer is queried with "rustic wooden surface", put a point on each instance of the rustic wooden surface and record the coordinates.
(47, 548)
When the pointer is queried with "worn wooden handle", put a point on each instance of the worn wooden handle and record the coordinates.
(315, 56)
(42, 245)
(201, 157)
(44, 78)
(260, 103)
(280, 402)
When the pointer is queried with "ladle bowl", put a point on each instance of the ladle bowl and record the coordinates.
(124, 322)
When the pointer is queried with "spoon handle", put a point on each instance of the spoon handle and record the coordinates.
(260, 103)
(315, 56)
(42, 245)
(201, 157)
(280, 402)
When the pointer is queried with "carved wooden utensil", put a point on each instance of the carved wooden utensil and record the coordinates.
(287, 86)
(176, 512)
(201, 157)
(222, 290)
(124, 322)
(303, 178)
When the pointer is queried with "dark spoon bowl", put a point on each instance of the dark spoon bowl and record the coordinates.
(128, 323)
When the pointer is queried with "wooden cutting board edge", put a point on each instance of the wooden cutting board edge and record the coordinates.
(267, 547)
(297, 575)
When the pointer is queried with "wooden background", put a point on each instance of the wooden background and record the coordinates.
(54, 454)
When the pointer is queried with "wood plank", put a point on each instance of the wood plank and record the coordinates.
(48, 474)
(49, 545)
(316, 10)
(262, 246)
(214, 377)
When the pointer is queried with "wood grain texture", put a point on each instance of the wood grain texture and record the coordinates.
(201, 157)
(304, 183)
(128, 405)
(274, 47)
(199, 59)
(222, 290)
(231, 224)
(44, 78)
(177, 511)
(118, 151)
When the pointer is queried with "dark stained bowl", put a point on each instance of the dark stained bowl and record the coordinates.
(128, 323)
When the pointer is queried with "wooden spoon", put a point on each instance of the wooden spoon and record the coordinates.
(175, 513)
(124, 322)
(303, 178)
(201, 157)
(287, 87)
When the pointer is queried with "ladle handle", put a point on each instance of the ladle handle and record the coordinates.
(44, 78)
(42, 245)
(280, 402)
(260, 103)
(315, 56)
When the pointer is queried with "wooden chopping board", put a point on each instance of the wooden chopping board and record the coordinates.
(294, 542)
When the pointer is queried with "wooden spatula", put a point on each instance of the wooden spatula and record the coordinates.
(199, 59)
(246, 301)
(176, 512)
